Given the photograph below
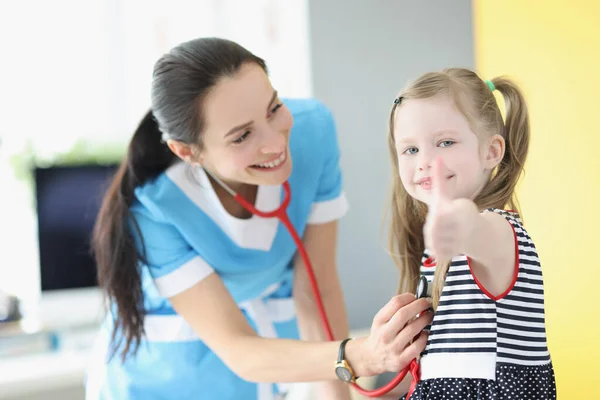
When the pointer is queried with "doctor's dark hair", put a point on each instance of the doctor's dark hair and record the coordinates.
(475, 100)
(181, 81)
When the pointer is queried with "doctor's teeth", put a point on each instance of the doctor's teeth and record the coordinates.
(274, 163)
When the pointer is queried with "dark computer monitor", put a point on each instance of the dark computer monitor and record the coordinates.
(68, 199)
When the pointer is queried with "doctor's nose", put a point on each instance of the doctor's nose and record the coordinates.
(275, 143)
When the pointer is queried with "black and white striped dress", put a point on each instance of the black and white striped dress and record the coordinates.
(486, 347)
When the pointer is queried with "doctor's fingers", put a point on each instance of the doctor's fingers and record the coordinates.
(413, 329)
(408, 353)
(401, 320)
(388, 311)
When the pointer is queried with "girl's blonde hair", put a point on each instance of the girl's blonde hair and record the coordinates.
(475, 101)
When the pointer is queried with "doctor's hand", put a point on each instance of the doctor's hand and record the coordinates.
(449, 222)
(396, 337)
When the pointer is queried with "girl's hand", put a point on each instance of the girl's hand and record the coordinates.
(449, 224)
(396, 336)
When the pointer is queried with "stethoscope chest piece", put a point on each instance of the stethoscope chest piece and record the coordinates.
(424, 287)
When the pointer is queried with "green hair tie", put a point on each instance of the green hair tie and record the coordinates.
(490, 85)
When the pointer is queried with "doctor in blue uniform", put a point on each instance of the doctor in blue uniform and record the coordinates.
(207, 300)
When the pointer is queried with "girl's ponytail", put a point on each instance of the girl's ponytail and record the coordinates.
(516, 135)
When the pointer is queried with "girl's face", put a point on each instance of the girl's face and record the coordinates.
(247, 130)
(425, 129)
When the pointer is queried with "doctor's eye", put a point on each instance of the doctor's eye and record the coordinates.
(241, 138)
(276, 108)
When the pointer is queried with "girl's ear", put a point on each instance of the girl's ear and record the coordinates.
(494, 152)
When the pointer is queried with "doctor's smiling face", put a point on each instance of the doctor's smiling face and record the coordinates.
(247, 130)
(245, 139)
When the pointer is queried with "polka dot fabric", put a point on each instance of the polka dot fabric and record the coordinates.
(513, 382)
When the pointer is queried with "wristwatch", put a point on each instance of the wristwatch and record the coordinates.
(342, 369)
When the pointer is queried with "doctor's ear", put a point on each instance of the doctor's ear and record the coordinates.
(183, 151)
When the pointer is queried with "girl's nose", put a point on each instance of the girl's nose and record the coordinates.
(425, 161)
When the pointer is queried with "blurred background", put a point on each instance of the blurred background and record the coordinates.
(75, 80)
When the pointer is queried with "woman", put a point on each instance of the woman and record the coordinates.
(209, 301)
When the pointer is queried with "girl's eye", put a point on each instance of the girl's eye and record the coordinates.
(446, 143)
(242, 138)
(411, 150)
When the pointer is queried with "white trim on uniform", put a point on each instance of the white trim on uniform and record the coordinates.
(329, 210)
(253, 233)
(168, 328)
(264, 313)
(183, 277)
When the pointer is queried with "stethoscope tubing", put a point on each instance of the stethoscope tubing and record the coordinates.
(281, 214)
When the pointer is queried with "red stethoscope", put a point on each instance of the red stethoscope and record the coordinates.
(281, 214)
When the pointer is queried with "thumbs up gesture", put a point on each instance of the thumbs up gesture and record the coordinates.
(449, 222)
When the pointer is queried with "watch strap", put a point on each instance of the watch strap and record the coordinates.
(341, 352)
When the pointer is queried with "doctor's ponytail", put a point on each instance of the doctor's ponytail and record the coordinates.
(181, 80)
(116, 255)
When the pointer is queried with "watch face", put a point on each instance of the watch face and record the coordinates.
(343, 374)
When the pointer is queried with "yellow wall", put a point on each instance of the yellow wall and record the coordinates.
(553, 50)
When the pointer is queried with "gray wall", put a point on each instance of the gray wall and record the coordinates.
(363, 52)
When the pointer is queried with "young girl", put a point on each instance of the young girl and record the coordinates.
(455, 221)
